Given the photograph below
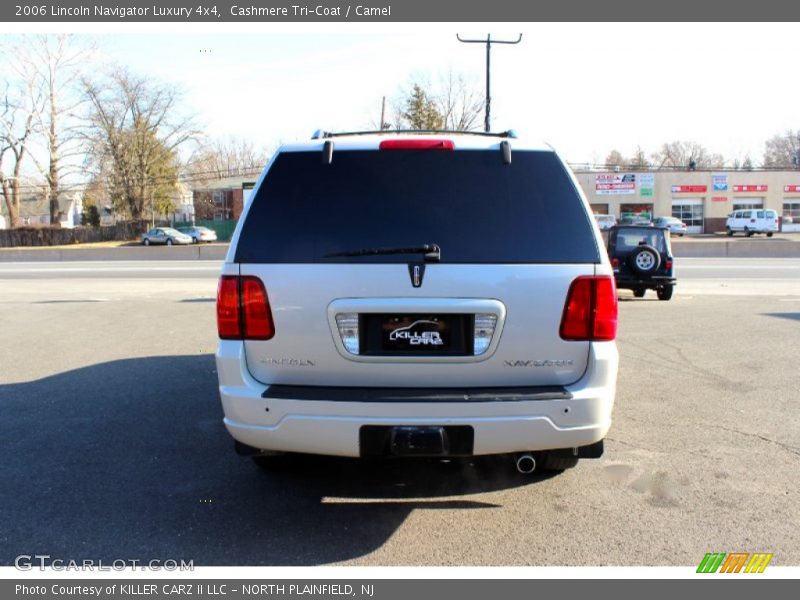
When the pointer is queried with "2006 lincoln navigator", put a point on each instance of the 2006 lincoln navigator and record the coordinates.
(425, 294)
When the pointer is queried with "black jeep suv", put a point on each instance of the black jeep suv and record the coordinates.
(642, 259)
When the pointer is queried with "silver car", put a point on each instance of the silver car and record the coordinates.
(165, 235)
(675, 225)
(432, 294)
(199, 234)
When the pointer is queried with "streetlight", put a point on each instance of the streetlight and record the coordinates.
(489, 41)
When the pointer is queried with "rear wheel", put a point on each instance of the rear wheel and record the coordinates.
(639, 293)
(552, 462)
(645, 260)
(169, 242)
(665, 293)
(769, 234)
(728, 231)
(146, 242)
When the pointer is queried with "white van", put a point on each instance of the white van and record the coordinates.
(752, 220)
(605, 222)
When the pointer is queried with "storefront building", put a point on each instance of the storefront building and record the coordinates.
(701, 199)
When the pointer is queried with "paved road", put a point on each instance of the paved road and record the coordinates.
(114, 448)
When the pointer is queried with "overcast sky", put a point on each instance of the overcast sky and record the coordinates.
(584, 88)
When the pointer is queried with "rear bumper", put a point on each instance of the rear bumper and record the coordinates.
(648, 282)
(279, 418)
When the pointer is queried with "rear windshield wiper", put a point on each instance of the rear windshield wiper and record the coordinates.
(432, 252)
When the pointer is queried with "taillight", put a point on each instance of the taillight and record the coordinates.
(229, 323)
(243, 311)
(615, 263)
(424, 144)
(590, 313)
(668, 264)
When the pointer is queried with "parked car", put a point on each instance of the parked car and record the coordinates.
(605, 222)
(165, 235)
(750, 221)
(675, 225)
(199, 234)
(430, 323)
(641, 257)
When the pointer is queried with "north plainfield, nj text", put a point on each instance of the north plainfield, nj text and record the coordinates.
(188, 13)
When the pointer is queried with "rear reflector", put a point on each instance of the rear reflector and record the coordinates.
(417, 145)
(590, 313)
(243, 311)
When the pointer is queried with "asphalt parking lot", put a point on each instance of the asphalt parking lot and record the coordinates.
(114, 446)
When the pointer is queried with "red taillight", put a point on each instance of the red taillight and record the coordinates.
(615, 263)
(417, 145)
(668, 264)
(229, 324)
(590, 313)
(257, 314)
(243, 310)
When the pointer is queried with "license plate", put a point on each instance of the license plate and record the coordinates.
(415, 332)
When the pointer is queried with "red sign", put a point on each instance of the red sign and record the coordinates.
(750, 188)
(689, 189)
(719, 198)
(791, 188)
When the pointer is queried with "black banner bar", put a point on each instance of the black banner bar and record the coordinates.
(393, 11)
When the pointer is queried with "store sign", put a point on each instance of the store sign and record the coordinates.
(791, 188)
(689, 189)
(719, 198)
(615, 184)
(719, 183)
(750, 188)
(646, 183)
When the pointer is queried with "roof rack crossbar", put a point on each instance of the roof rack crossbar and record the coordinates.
(329, 134)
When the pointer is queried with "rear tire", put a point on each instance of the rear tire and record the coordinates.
(146, 242)
(169, 242)
(728, 232)
(639, 293)
(552, 462)
(769, 234)
(665, 293)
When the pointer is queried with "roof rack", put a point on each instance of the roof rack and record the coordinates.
(320, 134)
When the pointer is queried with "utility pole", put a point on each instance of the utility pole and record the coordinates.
(383, 112)
(489, 41)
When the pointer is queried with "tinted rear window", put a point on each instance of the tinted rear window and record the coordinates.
(477, 209)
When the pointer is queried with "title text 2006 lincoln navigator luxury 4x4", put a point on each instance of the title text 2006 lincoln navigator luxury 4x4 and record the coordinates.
(433, 294)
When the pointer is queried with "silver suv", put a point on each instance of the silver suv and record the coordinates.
(427, 294)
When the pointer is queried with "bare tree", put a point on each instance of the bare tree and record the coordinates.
(17, 120)
(614, 160)
(460, 105)
(52, 64)
(686, 155)
(135, 134)
(451, 104)
(637, 162)
(783, 151)
(228, 157)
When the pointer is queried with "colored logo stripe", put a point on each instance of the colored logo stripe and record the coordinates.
(711, 562)
(734, 562)
(758, 562)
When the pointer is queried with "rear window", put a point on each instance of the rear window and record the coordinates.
(477, 209)
(630, 238)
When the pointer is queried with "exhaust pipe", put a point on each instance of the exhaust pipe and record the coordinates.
(526, 464)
